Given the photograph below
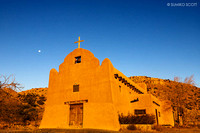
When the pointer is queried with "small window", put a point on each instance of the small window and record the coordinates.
(75, 88)
(120, 88)
(77, 59)
(159, 114)
(140, 111)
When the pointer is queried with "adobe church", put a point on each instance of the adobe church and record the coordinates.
(85, 94)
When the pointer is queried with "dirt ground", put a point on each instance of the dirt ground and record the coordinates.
(170, 130)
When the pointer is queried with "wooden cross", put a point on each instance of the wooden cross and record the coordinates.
(79, 40)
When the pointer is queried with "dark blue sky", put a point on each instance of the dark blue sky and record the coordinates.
(140, 37)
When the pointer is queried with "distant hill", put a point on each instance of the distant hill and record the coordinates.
(145, 79)
(155, 85)
(39, 91)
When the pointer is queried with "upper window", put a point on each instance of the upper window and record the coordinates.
(75, 88)
(77, 59)
(140, 111)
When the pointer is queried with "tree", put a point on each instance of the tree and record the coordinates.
(9, 104)
(193, 100)
(184, 98)
(190, 80)
(9, 82)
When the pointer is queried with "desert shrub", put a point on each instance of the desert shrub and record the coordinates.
(198, 125)
(135, 119)
(123, 119)
(131, 127)
(41, 100)
(9, 110)
(29, 98)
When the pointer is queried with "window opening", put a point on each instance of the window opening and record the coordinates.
(75, 88)
(77, 59)
(140, 111)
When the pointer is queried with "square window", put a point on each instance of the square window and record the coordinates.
(77, 59)
(75, 88)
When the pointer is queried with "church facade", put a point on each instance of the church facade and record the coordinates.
(85, 94)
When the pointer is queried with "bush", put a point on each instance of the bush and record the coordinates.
(131, 127)
(41, 100)
(134, 119)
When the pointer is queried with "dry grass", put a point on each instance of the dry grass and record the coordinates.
(166, 130)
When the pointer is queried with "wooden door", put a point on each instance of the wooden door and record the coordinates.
(76, 115)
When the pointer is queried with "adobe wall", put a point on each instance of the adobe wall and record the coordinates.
(166, 110)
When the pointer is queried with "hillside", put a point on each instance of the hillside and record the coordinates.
(153, 84)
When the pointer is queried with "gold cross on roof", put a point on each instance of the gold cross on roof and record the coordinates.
(79, 40)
